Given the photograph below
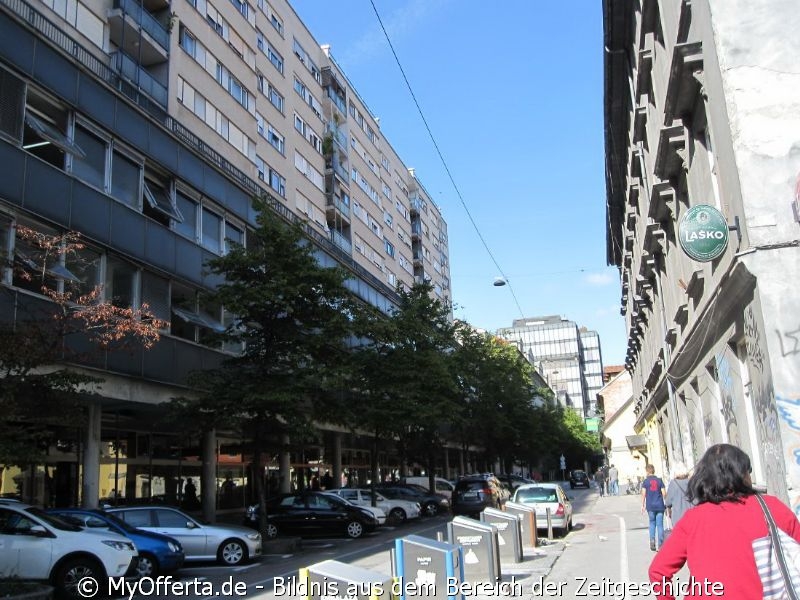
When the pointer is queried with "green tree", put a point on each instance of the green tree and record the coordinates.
(293, 318)
(403, 375)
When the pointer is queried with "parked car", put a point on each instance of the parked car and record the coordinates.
(443, 487)
(396, 509)
(578, 478)
(158, 554)
(431, 504)
(313, 513)
(474, 493)
(231, 545)
(512, 482)
(38, 546)
(543, 496)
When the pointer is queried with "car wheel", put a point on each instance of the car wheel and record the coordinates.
(569, 525)
(431, 509)
(355, 529)
(72, 572)
(397, 514)
(232, 552)
(271, 531)
(147, 566)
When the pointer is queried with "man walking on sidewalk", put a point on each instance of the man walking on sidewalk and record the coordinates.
(613, 481)
(600, 479)
(653, 502)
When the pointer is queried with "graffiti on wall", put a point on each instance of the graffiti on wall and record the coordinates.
(765, 408)
(792, 346)
(725, 381)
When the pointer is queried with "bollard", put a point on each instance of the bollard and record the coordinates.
(549, 525)
(440, 536)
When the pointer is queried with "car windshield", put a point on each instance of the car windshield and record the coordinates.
(476, 484)
(537, 495)
(53, 520)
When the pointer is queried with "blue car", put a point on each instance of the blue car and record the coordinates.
(157, 553)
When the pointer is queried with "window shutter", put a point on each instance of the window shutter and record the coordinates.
(12, 104)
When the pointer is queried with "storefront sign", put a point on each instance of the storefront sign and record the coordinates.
(703, 233)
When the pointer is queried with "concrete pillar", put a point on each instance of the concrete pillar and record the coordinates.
(208, 477)
(447, 463)
(337, 460)
(285, 466)
(90, 489)
(461, 462)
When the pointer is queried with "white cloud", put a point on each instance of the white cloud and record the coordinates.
(600, 279)
(397, 25)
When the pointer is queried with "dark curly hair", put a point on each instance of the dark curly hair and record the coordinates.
(721, 476)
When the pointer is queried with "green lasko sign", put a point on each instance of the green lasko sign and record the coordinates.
(703, 233)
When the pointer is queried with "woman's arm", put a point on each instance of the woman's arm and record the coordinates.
(668, 561)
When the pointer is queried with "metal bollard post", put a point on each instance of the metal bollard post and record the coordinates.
(439, 536)
(549, 525)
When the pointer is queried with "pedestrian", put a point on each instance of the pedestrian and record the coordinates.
(653, 502)
(715, 536)
(190, 501)
(677, 499)
(613, 481)
(600, 480)
(327, 481)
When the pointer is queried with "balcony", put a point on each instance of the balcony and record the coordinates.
(138, 32)
(337, 211)
(416, 206)
(140, 78)
(341, 242)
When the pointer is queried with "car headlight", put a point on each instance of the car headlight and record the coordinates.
(173, 547)
(418, 505)
(116, 545)
(255, 536)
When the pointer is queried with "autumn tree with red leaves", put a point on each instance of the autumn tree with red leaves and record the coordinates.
(39, 384)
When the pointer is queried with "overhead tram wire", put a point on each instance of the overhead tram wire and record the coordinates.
(444, 163)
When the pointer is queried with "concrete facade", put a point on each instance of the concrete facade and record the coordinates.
(701, 107)
(148, 128)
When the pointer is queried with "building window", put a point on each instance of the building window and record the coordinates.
(188, 208)
(277, 182)
(275, 98)
(91, 167)
(212, 231)
(126, 178)
(275, 138)
(121, 283)
(389, 247)
(233, 236)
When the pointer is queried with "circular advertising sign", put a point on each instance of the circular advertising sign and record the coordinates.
(703, 233)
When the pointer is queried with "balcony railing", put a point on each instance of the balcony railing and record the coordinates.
(341, 207)
(133, 72)
(146, 21)
(342, 242)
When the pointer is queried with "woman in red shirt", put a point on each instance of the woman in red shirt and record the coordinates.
(715, 537)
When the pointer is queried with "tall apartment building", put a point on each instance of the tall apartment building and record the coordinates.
(148, 128)
(701, 118)
(567, 356)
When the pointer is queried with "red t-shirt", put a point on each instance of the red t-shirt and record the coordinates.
(715, 540)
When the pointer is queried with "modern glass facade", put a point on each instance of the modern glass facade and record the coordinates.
(568, 357)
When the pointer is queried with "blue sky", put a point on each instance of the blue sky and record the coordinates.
(513, 93)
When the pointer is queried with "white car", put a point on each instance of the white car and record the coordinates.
(443, 487)
(543, 496)
(375, 511)
(396, 510)
(229, 544)
(39, 546)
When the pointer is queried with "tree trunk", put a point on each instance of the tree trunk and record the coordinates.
(373, 465)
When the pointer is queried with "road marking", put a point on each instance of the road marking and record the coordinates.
(623, 550)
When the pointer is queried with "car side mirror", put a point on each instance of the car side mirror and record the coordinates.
(191, 525)
(38, 531)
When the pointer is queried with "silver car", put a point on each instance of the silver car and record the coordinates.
(396, 510)
(543, 496)
(228, 544)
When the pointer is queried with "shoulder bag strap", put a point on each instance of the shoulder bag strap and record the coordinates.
(776, 545)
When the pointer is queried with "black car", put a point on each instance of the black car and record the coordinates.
(312, 513)
(473, 493)
(431, 504)
(578, 478)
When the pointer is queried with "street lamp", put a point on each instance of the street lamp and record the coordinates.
(499, 282)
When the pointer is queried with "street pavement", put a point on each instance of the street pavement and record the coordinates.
(605, 556)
